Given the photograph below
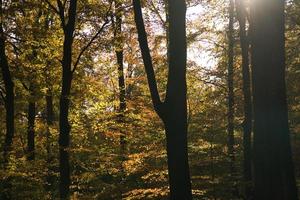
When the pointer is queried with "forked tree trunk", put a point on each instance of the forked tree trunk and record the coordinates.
(64, 102)
(173, 111)
(273, 166)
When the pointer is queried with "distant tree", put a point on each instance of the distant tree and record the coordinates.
(173, 111)
(120, 62)
(230, 74)
(273, 167)
(247, 123)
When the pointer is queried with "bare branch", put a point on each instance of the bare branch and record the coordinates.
(92, 39)
(52, 7)
(2, 96)
(156, 11)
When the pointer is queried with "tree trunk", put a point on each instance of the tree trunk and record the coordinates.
(64, 133)
(9, 90)
(64, 102)
(273, 166)
(9, 108)
(121, 77)
(230, 71)
(30, 128)
(247, 123)
(49, 118)
(173, 111)
(64, 138)
(176, 105)
(122, 88)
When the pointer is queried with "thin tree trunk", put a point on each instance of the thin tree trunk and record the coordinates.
(49, 118)
(9, 108)
(173, 111)
(230, 71)
(30, 128)
(247, 123)
(9, 92)
(273, 167)
(64, 102)
(122, 88)
(121, 77)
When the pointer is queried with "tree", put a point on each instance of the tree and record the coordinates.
(8, 89)
(247, 123)
(68, 25)
(121, 78)
(273, 166)
(173, 111)
(230, 71)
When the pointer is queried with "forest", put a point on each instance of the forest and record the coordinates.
(149, 99)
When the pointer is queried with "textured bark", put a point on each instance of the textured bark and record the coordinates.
(173, 111)
(273, 166)
(247, 123)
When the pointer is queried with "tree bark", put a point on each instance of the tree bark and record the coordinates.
(173, 111)
(247, 123)
(273, 166)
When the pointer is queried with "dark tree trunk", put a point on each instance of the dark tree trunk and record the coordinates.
(64, 102)
(121, 77)
(230, 71)
(122, 88)
(176, 105)
(9, 107)
(247, 123)
(273, 166)
(49, 108)
(49, 119)
(30, 128)
(173, 111)
(64, 137)
(9, 92)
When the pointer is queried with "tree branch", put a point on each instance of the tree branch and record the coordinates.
(156, 11)
(92, 39)
(52, 7)
(143, 42)
(61, 13)
(2, 93)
